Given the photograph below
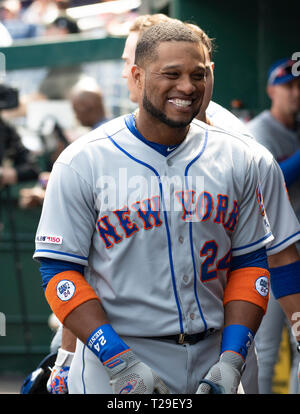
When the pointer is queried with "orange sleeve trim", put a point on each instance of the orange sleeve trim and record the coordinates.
(66, 291)
(250, 284)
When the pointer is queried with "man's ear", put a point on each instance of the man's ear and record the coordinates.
(270, 91)
(213, 65)
(137, 75)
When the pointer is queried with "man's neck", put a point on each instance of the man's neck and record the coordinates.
(288, 120)
(156, 131)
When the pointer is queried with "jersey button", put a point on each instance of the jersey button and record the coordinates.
(185, 278)
(170, 163)
(192, 316)
(181, 239)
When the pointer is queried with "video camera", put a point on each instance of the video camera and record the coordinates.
(9, 97)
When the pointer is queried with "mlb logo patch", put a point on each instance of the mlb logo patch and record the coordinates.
(49, 239)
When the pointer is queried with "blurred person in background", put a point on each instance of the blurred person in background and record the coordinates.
(58, 81)
(41, 12)
(5, 37)
(17, 163)
(88, 105)
(87, 102)
(278, 129)
(11, 15)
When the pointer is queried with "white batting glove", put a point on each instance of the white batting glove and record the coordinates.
(223, 377)
(58, 380)
(128, 375)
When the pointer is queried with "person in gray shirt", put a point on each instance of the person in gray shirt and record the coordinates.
(278, 129)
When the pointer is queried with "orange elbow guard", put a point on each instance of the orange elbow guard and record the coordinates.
(66, 291)
(250, 284)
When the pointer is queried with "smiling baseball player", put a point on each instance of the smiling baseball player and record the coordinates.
(282, 253)
(140, 221)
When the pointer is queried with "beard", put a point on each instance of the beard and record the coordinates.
(161, 116)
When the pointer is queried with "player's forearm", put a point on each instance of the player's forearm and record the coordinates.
(84, 319)
(285, 283)
(284, 257)
(291, 307)
(68, 340)
(244, 313)
(241, 321)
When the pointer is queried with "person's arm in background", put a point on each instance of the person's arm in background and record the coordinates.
(291, 168)
(285, 282)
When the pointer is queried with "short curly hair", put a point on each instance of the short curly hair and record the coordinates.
(170, 31)
(143, 22)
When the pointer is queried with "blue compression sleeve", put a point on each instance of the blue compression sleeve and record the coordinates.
(237, 338)
(106, 344)
(51, 267)
(285, 280)
(253, 259)
(291, 168)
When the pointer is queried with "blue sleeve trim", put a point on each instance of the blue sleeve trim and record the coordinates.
(62, 253)
(253, 259)
(254, 243)
(284, 241)
(237, 338)
(285, 280)
(51, 267)
(291, 168)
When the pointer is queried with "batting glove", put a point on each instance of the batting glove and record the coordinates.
(223, 377)
(58, 380)
(128, 375)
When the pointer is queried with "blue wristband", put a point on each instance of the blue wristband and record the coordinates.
(237, 338)
(105, 343)
(285, 280)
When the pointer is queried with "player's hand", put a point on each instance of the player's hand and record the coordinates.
(128, 375)
(223, 377)
(58, 380)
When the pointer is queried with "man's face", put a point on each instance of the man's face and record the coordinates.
(128, 58)
(286, 97)
(171, 87)
(209, 86)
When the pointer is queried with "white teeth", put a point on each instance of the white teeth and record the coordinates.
(180, 102)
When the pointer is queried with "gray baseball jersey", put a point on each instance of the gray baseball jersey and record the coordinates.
(282, 218)
(281, 142)
(155, 233)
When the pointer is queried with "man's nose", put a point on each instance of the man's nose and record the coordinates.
(186, 86)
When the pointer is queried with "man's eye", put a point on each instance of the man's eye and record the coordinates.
(171, 75)
(199, 76)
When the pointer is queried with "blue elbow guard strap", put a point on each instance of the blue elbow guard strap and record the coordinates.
(106, 344)
(291, 168)
(237, 338)
(285, 280)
